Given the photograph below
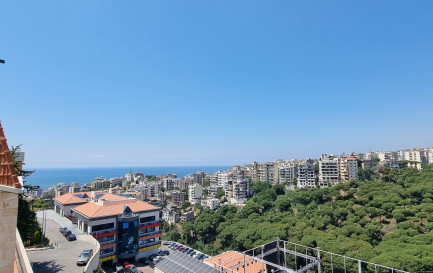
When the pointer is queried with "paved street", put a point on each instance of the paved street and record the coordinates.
(63, 258)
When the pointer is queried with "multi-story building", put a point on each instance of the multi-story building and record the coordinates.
(306, 175)
(170, 215)
(168, 183)
(287, 171)
(348, 168)
(187, 216)
(195, 193)
(329, 173)
(253, 171)
(210, 203)
(266, 172)
(75, 187)
(238, 191)
(177, 197)
(214, 190)
(125, 227)
(98, 183)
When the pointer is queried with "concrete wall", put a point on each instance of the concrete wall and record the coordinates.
(93, 263)
(8, 224)
(23, 262)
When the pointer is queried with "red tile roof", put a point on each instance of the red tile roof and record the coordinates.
(95, 210)
(70, 198)
(8, 176)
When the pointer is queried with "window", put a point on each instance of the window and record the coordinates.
(106, 238)
(147, 230)
(148, 241)
(147, 219)
(102, 227)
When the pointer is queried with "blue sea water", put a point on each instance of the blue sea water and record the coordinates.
(46, 177)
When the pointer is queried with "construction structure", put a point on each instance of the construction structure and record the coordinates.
(287, 257)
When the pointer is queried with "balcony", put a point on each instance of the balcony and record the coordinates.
(148, 235)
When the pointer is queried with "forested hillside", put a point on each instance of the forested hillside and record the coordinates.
(387, 220)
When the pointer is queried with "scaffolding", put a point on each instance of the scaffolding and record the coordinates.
(286, 257)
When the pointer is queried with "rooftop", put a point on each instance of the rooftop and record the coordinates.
(112, 207)
(234, 262)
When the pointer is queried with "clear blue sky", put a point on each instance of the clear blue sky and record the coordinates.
(140, 83)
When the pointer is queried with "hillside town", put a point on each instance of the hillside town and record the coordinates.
(232, 186)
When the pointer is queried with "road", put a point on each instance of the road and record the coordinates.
(63, 258)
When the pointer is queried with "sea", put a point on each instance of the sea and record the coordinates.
(46, 177)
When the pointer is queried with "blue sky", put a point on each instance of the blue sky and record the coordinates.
(163, 83)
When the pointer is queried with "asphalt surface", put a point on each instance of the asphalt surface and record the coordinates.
(64, 256)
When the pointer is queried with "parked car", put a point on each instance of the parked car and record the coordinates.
(196, 254)
(166, 243)
(165, 252)
(145, 260)
(71, 237)
(180, 248)
(185, 249)
(118, 268)
(157, 259)
(132, 269)
(192, 253)
(62, 229)
(67, 233)
(199, 257)
(85, 257)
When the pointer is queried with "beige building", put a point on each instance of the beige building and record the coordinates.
(13, 257)
(348, 168)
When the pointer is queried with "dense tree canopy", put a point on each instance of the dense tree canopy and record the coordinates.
(386, 218)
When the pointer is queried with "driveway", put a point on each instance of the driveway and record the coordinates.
(63, 258)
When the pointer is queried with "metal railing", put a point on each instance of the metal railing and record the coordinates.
(306, 258)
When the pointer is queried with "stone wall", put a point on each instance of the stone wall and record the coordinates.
(8, 225)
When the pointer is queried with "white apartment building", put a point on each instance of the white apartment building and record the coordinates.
(287, 171)
(306, 176)
(210, 203)
(195, 193)
(329, 173)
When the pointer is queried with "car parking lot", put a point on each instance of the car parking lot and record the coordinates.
(143, 264)
(63, 257)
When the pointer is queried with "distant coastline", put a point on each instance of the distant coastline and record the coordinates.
(46, 177)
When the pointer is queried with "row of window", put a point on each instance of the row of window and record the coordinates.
(147, 219)
(102, 227)
(106, 251)
(106, 239)
(146, 230)
(145, 242)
